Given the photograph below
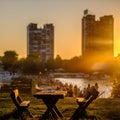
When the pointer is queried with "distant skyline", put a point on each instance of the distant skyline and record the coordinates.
(66, 16)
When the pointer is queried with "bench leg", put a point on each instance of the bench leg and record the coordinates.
(24, 113)
(78, 114)
(29, 113)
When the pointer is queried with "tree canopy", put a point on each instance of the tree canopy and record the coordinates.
(9, 60)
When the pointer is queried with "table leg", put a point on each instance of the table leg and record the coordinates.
(50, 108)
(58, 112)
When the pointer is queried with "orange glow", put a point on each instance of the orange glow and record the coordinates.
(66, 16)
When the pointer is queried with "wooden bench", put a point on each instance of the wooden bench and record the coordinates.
(83, 104)
(22, 106)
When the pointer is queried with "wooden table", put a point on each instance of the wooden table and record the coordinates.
(50, 99)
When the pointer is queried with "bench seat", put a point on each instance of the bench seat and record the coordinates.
(81, 99)
(24, 103)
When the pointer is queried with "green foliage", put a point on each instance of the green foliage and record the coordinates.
(116, 77)
(9, 60)
(58, 62)
(31, 65)
(49, 65)
(116, 86)
(73, 65)
(20, 64)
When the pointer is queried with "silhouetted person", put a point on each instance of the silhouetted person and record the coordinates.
(96, 86)
(80, 93)
(70, 91)
(87, 92)
(75, 91)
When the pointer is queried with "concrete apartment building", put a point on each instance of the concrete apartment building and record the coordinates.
(40, 41)
(97, 36)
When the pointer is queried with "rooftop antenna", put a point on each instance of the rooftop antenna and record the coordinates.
(85, 12)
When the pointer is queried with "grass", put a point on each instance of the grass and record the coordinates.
(102, 108)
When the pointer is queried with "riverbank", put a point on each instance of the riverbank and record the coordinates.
(102, 108)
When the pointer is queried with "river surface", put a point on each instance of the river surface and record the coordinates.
(104, 85)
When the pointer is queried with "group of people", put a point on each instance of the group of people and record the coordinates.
(72, 90)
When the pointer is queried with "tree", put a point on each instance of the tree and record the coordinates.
(20, 64)
(32, 64)
(9, 60)
(50, 64)
(72, 65)
(75, 64)
(58, 62)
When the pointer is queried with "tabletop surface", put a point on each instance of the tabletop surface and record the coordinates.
(41, 94)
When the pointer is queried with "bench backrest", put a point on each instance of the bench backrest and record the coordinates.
(93, 95)
(93, 92)
(16, 98)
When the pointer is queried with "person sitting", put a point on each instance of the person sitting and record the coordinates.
(75, 91)
(80, 93)
(70, 91)
(87, 92)
(96, 86)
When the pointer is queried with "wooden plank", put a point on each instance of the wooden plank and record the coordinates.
(24, 103)
(81, 99)
(50, 94)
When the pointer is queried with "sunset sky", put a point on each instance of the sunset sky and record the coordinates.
(66, 16)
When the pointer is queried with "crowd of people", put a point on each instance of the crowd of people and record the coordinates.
(73, 90)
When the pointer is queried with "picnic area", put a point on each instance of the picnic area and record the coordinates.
(102, 108)
(50, 104)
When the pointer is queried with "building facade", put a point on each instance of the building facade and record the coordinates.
(97, 36)
(40, 41)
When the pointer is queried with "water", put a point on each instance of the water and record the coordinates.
(104, 85)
